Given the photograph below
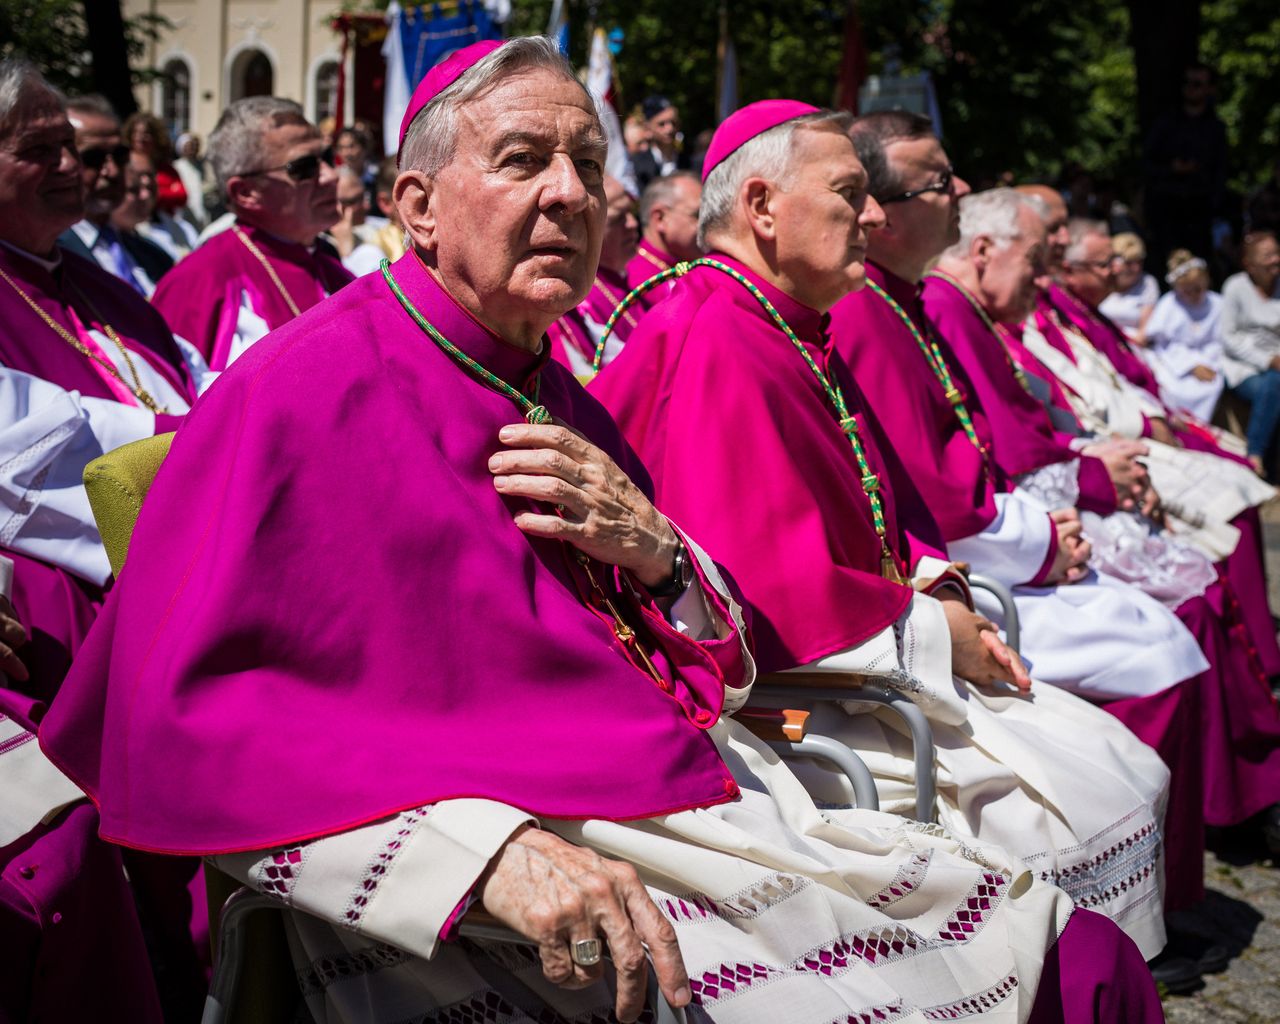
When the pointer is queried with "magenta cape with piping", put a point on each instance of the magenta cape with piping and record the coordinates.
(200, 297)
(1023, 436)
(746, 453)
(56, 606)
(911, 407)
(328, 615)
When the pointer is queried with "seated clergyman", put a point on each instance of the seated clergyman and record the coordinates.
(409, 643)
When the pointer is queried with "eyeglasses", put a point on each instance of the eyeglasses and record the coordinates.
(95, 157)
(303, 168)
(943, 184)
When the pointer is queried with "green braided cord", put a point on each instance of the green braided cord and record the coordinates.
(992, 326)
(628, 301)
(933, 356)
(848, 424)
(533, 412)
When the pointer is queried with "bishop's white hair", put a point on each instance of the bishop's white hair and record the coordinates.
(431, 140)
(768, 155)
(993, 213)
(1081, 228)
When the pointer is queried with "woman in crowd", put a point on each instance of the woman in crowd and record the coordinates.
(1130, 305)
(1251, 339)
(1184, 339)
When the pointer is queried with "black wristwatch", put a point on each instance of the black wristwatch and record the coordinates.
(681, 574)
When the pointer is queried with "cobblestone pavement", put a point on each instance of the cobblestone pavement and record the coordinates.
(1242, 909)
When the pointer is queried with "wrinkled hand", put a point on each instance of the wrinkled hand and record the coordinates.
(604, 515)
(977, 652)
(1204, 373)
(12, 636)
(1128, 475)
(556, 893)
(1071, 563)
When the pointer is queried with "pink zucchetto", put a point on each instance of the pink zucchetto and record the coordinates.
(441, 77)
(743, 125)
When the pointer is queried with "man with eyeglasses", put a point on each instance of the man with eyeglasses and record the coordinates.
(953, 450)
(669, 222)
(272, 264)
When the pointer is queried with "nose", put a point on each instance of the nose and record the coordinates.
(960, 187)
(562, 185)
(327, 175)
(872, 216)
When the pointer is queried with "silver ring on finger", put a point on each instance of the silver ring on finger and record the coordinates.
(586, 952)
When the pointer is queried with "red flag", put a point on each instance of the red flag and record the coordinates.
(853, 63)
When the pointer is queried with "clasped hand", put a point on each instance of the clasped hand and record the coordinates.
(12, 636)
(978, 655)
(602, 513)
(1071, 560)
(1134, 492)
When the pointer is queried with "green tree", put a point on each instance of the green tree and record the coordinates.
(57, 37)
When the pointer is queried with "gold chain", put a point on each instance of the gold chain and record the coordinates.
(141, 393)
(271, 271)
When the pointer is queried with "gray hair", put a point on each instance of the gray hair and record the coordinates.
(769, 155)
(661, 191)
(873, 133)
(432, 137)
(993, 213)
(235, 147)
(18, 77)
(1081, 228)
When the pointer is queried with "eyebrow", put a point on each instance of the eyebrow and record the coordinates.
(590, 137)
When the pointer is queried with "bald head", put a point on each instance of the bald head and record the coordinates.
(1052, 208)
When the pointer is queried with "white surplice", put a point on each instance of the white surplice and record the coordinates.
(1056, 782)
(1199, 491)
(783, 911)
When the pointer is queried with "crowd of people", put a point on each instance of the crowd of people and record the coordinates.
(484, 512)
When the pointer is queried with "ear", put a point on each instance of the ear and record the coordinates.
(756, 199)
(414, 195)
(980, 251)
(243, 193)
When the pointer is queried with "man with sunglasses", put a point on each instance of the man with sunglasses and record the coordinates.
(103, 161)
(273, 264)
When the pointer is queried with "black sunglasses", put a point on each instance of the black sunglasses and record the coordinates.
(304, 168)
(943, 184)
(95, 157)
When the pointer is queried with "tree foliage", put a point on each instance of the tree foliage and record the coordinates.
(54, 35)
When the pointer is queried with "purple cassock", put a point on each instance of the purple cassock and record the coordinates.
(324, 581)
(959, 485)
(648, 261)
(1244, 567)
(709, 391)
(1239, 724)
(724, 395)
(72, 945)
(56, 606)
(206, 297)
(575, 335)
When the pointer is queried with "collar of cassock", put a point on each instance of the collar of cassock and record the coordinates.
(517, 366)
(807, 322)
(902, 291)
